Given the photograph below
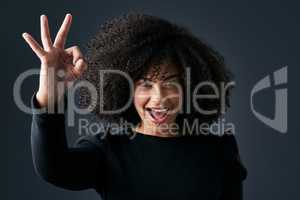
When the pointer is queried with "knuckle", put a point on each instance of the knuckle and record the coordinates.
(74, 48)
(77, 49)
(85, 66)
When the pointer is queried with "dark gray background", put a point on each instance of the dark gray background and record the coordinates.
(255, 37)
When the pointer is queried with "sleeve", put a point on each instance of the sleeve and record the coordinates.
(76, 168)
(234, 170)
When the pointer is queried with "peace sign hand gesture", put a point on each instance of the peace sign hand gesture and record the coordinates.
(54, 58)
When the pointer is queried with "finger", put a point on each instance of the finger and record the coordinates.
(45, 33)
(61, 36)
(80, 67)
(38, 50)
(75, 52)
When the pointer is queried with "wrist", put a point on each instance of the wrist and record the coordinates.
(42, 99)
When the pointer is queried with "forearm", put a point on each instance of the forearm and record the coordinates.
(53, 160)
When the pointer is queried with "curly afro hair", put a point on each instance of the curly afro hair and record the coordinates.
(134, 42)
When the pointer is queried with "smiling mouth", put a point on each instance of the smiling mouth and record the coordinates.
(157, 115)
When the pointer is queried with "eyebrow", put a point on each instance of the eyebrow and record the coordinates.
(166, 78)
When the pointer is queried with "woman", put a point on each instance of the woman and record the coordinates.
(164, 61)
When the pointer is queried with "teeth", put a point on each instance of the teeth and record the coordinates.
(158, 114)
(159, 110)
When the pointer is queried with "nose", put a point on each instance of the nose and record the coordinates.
(157, 95)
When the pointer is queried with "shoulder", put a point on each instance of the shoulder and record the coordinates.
(229, 145)
(233, 163)
(102, 140)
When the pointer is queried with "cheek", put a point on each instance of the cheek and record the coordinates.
(140, 99)
(176, 101)
(175, 95)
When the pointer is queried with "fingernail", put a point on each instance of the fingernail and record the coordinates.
(24, 34)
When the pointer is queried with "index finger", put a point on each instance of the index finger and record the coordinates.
(38, 50)
(61, 36)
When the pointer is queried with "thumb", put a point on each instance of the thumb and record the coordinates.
(80, 67)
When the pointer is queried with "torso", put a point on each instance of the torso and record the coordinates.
(151, 167)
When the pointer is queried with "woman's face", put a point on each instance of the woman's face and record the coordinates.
(158, 99)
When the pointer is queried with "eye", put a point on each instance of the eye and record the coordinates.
(168, 83)
(146, 84)
(171, 84)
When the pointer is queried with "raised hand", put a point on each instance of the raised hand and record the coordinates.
(57, 63)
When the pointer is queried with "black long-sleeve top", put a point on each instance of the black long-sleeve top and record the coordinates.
(205, 167)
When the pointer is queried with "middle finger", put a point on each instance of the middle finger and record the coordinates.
(45, 33)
